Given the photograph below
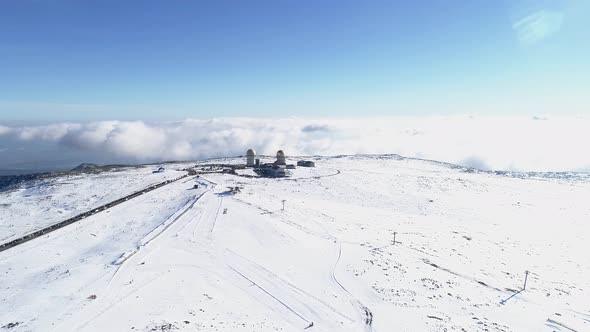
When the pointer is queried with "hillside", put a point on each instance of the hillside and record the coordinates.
(204, 259)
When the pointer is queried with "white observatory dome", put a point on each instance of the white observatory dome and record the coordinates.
(250, 157)
(280, 158)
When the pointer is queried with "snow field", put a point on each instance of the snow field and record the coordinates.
(204, 260)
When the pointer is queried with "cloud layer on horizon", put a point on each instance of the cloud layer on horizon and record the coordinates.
(501, 143)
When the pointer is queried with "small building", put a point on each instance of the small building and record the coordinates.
(250, 158)
(228, 170)
(306, 163)
(272, 171)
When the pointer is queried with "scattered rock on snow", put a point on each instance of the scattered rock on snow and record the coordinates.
(11, 325)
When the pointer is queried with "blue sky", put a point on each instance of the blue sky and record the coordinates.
(170, 60)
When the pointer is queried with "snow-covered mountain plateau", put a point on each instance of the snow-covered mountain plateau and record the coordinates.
(356, 243)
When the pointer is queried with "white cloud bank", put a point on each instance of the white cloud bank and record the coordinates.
(500, 143)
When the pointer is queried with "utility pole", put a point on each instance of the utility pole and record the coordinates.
(394, 234)
(526, 275)
(284, 205)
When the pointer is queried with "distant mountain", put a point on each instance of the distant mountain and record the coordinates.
(85, 167)
(9, 179)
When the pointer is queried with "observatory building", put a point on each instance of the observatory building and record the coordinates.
(250, 157)
(280, 158)
(306, 163)
(277, 169)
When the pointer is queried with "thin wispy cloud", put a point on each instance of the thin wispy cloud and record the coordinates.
(538, 25)
(5, 130)
(501, 143)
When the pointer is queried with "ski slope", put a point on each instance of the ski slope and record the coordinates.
(180, 258)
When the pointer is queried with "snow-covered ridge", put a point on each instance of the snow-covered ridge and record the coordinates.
(38, 203)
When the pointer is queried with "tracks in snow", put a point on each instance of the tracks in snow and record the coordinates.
(159, 230)
(365, 311)
(273, 282)
(274, 297)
